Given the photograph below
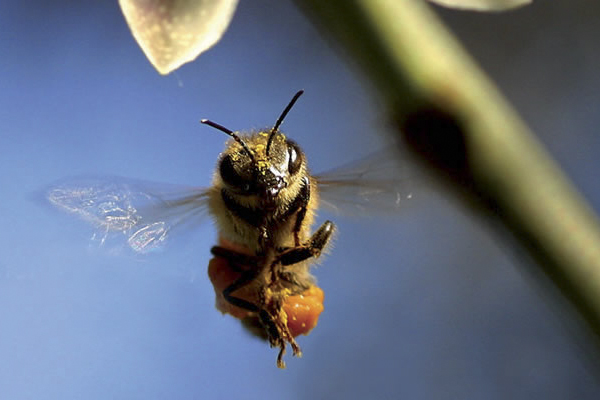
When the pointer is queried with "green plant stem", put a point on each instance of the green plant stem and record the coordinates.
(456, 121)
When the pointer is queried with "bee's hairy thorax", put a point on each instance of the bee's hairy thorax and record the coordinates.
(269, 226)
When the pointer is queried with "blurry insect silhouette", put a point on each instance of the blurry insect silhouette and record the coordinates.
(263, 200)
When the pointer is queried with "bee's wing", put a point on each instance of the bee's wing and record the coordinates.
(142, 213)
(374, 184)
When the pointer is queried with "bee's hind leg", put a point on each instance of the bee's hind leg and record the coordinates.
(247, 266)
(274, 333)
(246, 278)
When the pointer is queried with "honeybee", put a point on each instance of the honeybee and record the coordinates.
(263, 200)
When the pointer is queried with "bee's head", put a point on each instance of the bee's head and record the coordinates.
(258, 172)
(262, 164)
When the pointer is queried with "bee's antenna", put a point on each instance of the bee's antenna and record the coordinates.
(281, 117)
(232, 134)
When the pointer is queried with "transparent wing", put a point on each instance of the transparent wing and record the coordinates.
(374, 184)
(142, 213)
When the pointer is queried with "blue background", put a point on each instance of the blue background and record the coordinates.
(428, 304)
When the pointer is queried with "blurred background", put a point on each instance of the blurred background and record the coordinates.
(428, 304)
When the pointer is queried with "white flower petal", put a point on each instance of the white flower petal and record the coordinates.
(173, 32)
(482, 5)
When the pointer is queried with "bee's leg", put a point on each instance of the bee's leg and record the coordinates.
(312, 248)
(266, 329)
(268, 322)
(237, 261)
(277, 331)
(279, 335)
(246, 278)
(299, 218)
(294, 255)
(275, 334)
(244, 264)
(302, 205)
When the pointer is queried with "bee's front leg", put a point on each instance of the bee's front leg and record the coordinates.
(312, 248)
(303, 199)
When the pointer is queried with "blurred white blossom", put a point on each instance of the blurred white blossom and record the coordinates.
(482, 5)
(173, 32)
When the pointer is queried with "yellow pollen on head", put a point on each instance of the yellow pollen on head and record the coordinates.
(262, 165)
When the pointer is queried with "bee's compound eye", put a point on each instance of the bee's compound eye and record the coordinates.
(295, 160)
(230, 176)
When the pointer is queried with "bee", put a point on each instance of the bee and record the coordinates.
(263, 201)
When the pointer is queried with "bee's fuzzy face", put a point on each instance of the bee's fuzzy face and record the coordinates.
(267, 174)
